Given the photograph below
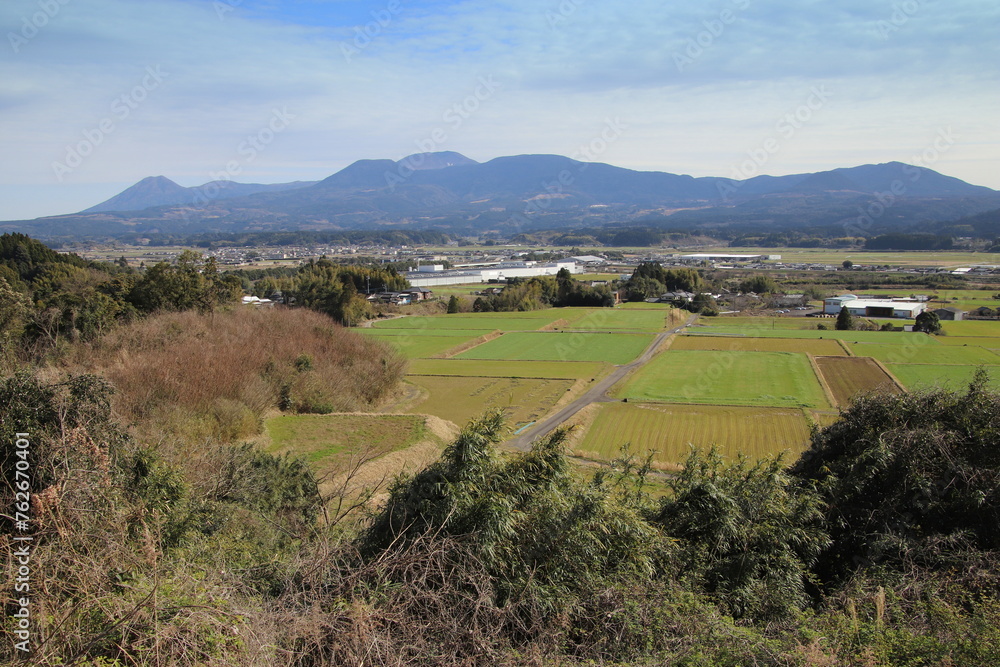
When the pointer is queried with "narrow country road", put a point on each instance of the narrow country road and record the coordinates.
(595, 394)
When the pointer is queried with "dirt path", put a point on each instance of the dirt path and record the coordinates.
(596, 394)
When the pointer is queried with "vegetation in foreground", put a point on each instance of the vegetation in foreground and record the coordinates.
(878, 547)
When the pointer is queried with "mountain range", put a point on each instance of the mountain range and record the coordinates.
(450, 192)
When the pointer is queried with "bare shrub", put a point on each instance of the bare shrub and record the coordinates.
(226, 369)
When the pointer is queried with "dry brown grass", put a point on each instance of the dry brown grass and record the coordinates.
(217, 374)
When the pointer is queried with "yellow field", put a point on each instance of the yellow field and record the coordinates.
(670, 430)
(739, 344)
(460, 399)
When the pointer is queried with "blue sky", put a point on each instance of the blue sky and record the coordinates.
(97, 94)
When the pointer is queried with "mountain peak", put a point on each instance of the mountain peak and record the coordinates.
(150, 191)
(438, 160)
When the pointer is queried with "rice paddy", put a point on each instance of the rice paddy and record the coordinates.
(670, 430)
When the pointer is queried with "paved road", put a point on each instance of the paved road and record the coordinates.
(596, 394)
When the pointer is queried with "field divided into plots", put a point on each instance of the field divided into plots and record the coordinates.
(670, 430)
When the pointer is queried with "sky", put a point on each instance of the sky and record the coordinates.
(98, 94)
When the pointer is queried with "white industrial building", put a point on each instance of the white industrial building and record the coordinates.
(722, 257)
(873, 307)
(429, 277)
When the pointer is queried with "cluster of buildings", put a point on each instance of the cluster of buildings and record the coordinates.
(430, 275)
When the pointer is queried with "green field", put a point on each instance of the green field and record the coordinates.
(830, 348)
(885, 337)
(567, 370)
(927, 354)
(460, 399)
(750, 324)
(329, 441)
(458, 333)
(617, 348)
(980, 328)
(617, 319)
(969, 341)
(459, 322)
(778, 379)
(670, 430)
(416, 346)
(924, 376)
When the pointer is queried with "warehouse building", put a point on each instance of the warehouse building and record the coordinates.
(873, 307)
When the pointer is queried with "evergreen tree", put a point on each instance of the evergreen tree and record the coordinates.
(844, 320)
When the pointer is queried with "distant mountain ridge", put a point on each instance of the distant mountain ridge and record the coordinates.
(450, 192)
(161, 191)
